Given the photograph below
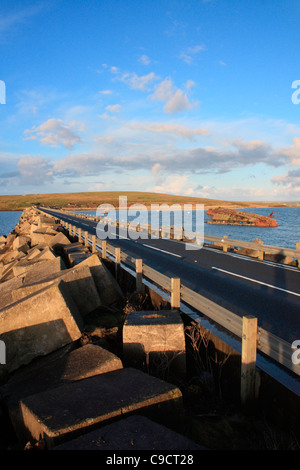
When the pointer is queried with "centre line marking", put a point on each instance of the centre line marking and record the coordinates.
(258, 282)
(164, 251)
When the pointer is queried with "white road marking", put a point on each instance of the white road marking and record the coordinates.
(258, 282)
(164, 251)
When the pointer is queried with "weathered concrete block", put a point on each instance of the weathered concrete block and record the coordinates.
(20, 242)
(24, 228)
(26, 265)
(66, 365)
(44, 221)
(108, 288)
(79, 281)
(7, 270)
(58, 413)
(133, 433)
(38, 325)
(77, 256)
(39, 236)
(6, 290)
(155, 341)
(59, 240)
(43, 269)
(12, 255)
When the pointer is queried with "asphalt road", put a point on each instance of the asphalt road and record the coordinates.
(243, 285)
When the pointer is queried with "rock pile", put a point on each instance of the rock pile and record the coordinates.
(54, 387)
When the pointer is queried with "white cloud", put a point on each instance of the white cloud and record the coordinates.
(113, 108)
(55, 132)
(178, 184)
(176, 100)
(138, 82)
(105, 92)
(174, 129)
(188, 55)
(11, 21)
(144, 59)
(34, 170)
(134, 81)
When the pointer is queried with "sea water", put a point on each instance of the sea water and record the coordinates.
(287, 234)
(8, 221)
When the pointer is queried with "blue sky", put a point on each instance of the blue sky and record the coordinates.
(186, 97)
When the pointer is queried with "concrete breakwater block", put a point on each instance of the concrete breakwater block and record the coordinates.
(57, 415)
(132, 433)
(79, 281)
(59, 240)
(74, 253)
(43, 269)
(108, 288)
(68, 364)
(23, 266)
(6, 290)
(155, 341)
(41, 236)
(38, 325)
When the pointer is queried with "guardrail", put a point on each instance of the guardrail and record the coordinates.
(223, 242)
(253, 337)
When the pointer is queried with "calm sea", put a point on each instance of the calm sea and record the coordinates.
(287, 234)
(8, 221)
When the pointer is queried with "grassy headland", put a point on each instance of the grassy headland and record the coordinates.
(91, 200)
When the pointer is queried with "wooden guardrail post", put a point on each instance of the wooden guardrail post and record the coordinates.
(103, 254)
(298, 248)
(175, 292)
(248, 365)
(86, 238)
(225, 246)
(139, 275)
(117, 261)
(80, 235)
(94, 249)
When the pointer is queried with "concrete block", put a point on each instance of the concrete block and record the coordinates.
(6, 290)
(26, 265)
(20, 241)
(108, 288)
(38, 325)
(43, 269)
(33, 252)
(59, 240)
(133, 433)
(66, 365)
(57, 414)
(68, 248)
(155, 341)
(38, 237)
(7, 270)
(44, 221)
(12, 255)
(25, 228)
(76, 257)
(46, 253)
(79, 281)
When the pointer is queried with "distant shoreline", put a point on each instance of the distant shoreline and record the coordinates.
(92, 200)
